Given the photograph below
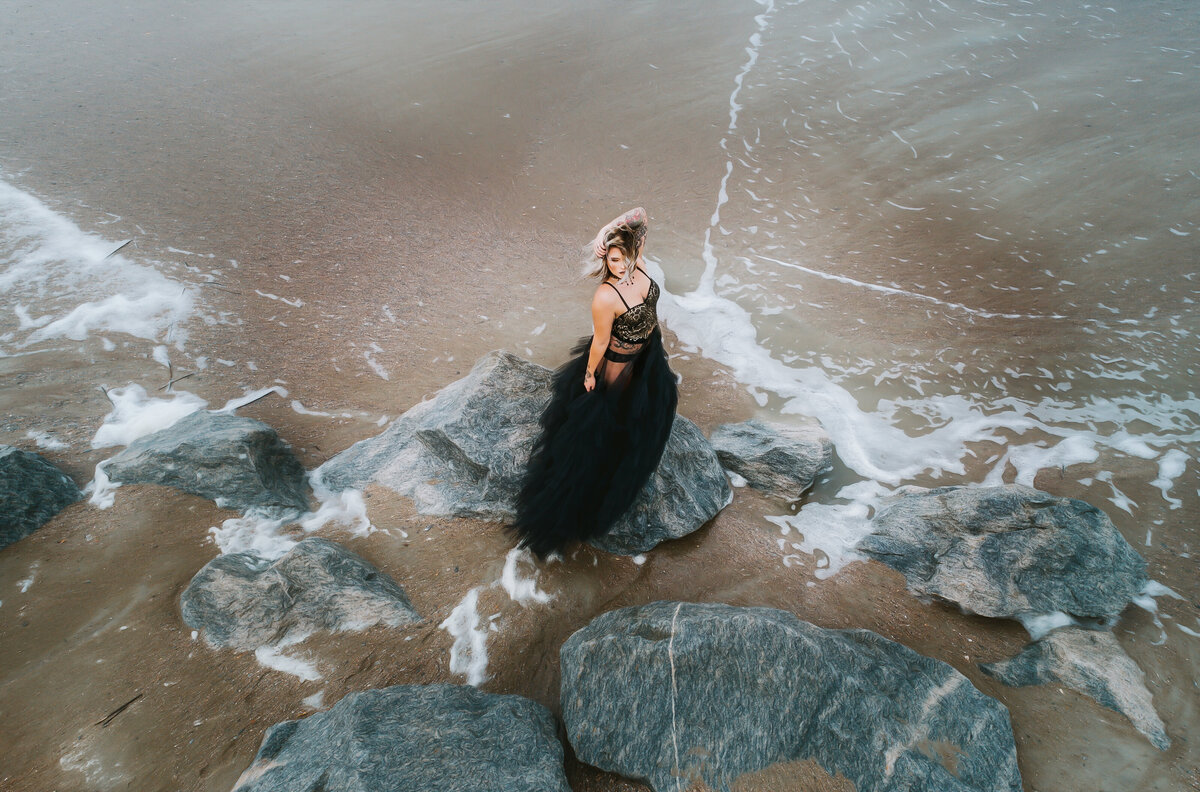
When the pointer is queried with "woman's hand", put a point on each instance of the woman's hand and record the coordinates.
(598, 243)
(589, 381)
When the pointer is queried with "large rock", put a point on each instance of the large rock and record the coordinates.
(463, 453)
(238, 462)
(32, 490)
(673, 693)
(1008, 551)
(449, 738)
(779, 459)
(1093, 663)
(243, 602)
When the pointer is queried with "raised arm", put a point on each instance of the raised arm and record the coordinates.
(603, 312)
(635, 215)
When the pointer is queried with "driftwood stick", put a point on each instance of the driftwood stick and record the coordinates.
(218, 286)
(109, 718)
(177, 379)
(118, 248)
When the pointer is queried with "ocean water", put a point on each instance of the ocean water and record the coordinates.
(964, 236)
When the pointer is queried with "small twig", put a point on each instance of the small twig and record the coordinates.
(105, 392)
(118, 248)
(107, 720)
(177, 379)
(216, 286)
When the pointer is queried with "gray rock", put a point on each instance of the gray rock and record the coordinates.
(243, 602)
(463, 453)
(238, 462)
(671, 693)
(686, 491)
(32, 490)
(413, 738)
(1093, 663)
(1008, 551)
(779, 459)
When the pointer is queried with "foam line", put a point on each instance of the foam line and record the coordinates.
(902, 292)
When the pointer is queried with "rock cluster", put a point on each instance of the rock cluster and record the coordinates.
(1093, 663)
(241, 601)
(450, 738)
(238, 462)
(779, 459)
(673, 693)
(1008, 552)
(1015, 552)
(463, 453)
(32, 490)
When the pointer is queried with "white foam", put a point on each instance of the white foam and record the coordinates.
(906, 293)
(315, 701)
(46, 440)
(77, 286)
(1170, 467)
(103, 491)
(299, 407)
(162, 356)
(1155, 589)
(522, 590)
(297, 303)
(272, 657)
(251, 396)
(1188, 630)
(135, 414)
(1038, 625)
(254, 532)
(1028, 460)
(468, 655)
(832, 531)
(375, 365)
(345, 507)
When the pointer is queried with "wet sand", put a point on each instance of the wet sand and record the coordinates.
(442, 162)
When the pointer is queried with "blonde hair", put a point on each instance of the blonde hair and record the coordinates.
(626, 238)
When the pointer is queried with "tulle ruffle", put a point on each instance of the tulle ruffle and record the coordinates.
(597, 449)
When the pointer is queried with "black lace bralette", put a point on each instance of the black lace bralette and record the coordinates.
(638, 322)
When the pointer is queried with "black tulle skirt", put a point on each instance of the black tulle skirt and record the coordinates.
(596, 449)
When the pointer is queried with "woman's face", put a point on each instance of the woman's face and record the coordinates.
(616, 262)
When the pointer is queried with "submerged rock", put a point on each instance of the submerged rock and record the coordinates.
(779, 459)
(463, 454)
(1093, 663)
(1008, 551)
(238, 462)
(673, 693)
(450, 738)
(32, 490)
(243, 602)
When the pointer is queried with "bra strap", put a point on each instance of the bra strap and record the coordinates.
(618, 291)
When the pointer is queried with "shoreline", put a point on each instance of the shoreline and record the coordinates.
(351, 179)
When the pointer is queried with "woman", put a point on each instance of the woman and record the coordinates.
(611, 409)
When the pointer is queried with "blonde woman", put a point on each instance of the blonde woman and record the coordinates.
(608, 419)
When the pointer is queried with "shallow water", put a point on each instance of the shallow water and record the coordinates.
(962, 234)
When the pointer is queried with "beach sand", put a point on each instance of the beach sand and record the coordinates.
(381, 194)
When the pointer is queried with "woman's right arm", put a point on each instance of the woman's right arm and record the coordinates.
(602, 319)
